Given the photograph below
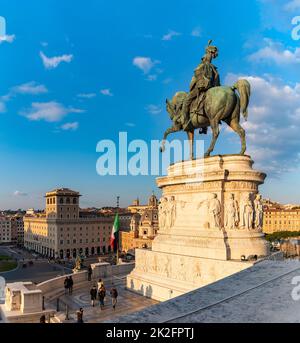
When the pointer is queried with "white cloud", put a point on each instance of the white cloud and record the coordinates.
(167, 80)
(7, 38)
(106, 92)
(144, 63)
(2, 107)
(86, 95)
(170, 35)
(153, 109)
(151, 77)
(196, 32)
(27, 88)
(70, 126)
(292, 5)
(54, 62)
(275, 52)
(30, 88)
(20, 194)
(273, 124)
(49, 111)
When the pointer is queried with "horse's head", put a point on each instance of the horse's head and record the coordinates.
(175, 103)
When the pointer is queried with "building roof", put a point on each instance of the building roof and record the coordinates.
(62, 191)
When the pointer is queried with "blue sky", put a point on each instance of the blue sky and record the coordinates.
(74, 73)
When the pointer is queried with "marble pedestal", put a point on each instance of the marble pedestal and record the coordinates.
(210, 217)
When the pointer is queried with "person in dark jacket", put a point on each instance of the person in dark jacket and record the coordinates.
(101, 296)
(43, 319)
(71, 283)
(80, 315)
(114, 296)
(90, 272)
(93, 293)
(66, 285)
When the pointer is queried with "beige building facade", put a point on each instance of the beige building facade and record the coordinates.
(278, 217)
(63, 232)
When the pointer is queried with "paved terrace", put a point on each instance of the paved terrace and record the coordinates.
(261, 293)
(127, 302)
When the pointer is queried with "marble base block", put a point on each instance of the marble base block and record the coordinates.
(210, 218)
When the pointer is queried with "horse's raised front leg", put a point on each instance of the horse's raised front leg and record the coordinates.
(215, 134)
(167, 132)
(191, 141)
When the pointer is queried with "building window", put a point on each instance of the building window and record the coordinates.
(74, 241)
(61, 242)
(74, 201)
(61, 200)
(68, 200)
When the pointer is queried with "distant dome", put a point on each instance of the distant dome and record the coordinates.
(152, 201)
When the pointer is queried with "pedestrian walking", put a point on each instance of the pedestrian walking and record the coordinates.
(101, 296)
(90, 272)
(80, 315)
(71, 283)
(93, 293)
(114, 297)
(100, 284)
(66, 285)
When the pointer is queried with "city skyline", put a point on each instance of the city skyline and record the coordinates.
(55, 96)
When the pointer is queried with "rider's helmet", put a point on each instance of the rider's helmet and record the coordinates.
(213, 50)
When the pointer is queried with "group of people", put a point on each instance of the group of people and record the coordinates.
(100, 292)
(68, 285)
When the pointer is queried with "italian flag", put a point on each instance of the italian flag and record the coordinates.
(114, 237)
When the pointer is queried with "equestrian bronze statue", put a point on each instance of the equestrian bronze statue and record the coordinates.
(208, 104)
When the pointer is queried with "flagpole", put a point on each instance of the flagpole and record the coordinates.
(117, 255)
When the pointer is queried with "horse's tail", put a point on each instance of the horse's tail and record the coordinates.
(244, 89)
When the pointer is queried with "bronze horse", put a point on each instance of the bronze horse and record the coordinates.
(221, 104)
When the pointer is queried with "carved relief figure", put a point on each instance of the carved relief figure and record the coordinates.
(213, 206)
(196, 272)
(172, 211)
(247, 212)
(155, 265)
(258, 208)
(162, 213)
(231, 213)
(167, 267)
(182, 270)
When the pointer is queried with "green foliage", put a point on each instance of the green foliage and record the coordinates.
(5, 258)
(281, 235)
(7, 265)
